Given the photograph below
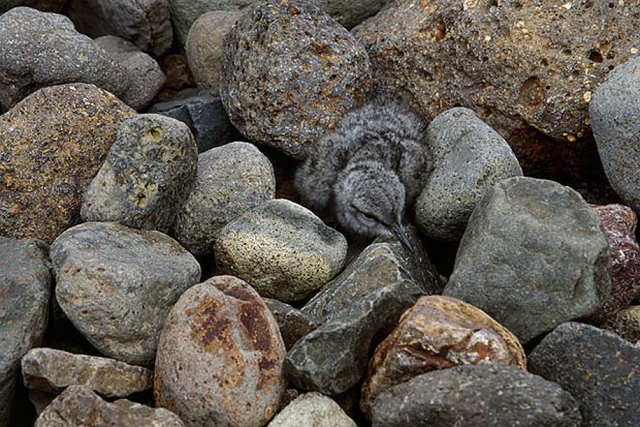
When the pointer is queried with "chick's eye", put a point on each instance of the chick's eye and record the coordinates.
(368, 217)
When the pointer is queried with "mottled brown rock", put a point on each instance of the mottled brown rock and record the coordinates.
(51, 145)
(220, 356)
(625, 323)
(438, 333)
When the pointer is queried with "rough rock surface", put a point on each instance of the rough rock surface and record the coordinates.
(143, 22)
(293, 323)
(282, 249)
(625, 323)
(597, 367)
(25, 287)
(117, 285)
(476, 396)
(468, 157)
(42, 175)
(533, 256)
(230, 181)
(79, 406)
(289, 73)
(220, 357)
(312, 410)
(438, 333)
(147, 175)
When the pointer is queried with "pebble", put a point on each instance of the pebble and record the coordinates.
(476, 396)
(282, 249)
(146, 177)
(533, 256)
(312, 410)
(625, 323)
(597, 367)
(289, 73)
(438, 333)
(468, 157)
(117, 284)
(231, 180)
(44, 173)
(220, 357)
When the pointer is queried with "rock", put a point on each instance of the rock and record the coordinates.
(438, 333)
(25, 286)
(175, 67)
(204, 114)
(204, 45)
(533, 256)
(42, 176)
(282, 249)
(468, 157)
(145, 23)
(220, 357)
(43, 5)
(312, 410)
(230, 181)
(476, 396)
(293, 323)
(351, 13)
(79, 406)
(51, 371)
(43, 50)
(147, 175)
(597, 367)
(625, 323)
(117, 285)
(620, 224)
(144, 73)
(289, 73)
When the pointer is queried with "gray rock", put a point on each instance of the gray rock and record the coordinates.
(117, 285)
(220, 357)
(468, 157)
(312, 410)
(230, 181)
(148, 173)
(143, 72)
(282, 249)
(534, 255)
(44, 5)
(44, 174)
(289, 73)
(476, 396)
(597, 367)
(613, 106)
(293, 323)
(79, 406)
(350, 13)
(145, 23)
(204, 114)
(25, 287)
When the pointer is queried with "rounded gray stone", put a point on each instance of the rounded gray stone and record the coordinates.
(117, 285)
(533, 256)
(282, 249)
(147, 175)
(312, 410)
(230, 181)
(468, 157)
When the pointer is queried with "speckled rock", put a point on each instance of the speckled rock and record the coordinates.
(147, 175)
(204, 45)
(533, 256)
(230, 181)
(79, 406)
(282, 249)
(117, 285)
(143, 22)
(293, 323)
(476, 396)
(620, 224)
(25, 286)
(42, 176)
(220, 357)
(44, 5)
(468, 157)
(625, 323)
(312, 410)
(438, 333)
(597, 367)
(289, 73)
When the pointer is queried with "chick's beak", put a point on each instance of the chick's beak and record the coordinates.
(402, 236)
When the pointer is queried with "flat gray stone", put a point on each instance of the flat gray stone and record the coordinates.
(312, 410)
(534, 255)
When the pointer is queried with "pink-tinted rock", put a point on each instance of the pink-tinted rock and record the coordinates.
(220, 356)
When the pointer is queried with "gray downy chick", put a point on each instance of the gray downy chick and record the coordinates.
(368, 170)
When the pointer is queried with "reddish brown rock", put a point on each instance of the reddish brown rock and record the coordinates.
(437, 333)
(220, 356)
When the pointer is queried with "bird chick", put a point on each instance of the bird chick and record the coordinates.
(368, 170)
